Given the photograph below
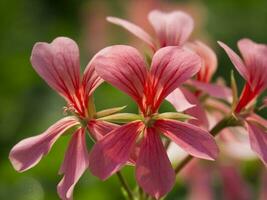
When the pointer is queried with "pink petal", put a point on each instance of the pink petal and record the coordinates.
(98, 129)
(58, 64)
(258, 140)
(123, 67)
(91, 80)
(254, 55)
(217, 91)
(197, 111)
(257, 119)
(154, 171)
(172, 29)
(28, 152)
(170, 67)
(75, 163)
(179, 101)
(236, 60)
(192, 139)
(113, 151)
(209, 60)
(134, 29)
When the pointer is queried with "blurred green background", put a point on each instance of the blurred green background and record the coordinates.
(29, 106)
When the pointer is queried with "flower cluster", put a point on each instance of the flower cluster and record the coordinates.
(177, 70)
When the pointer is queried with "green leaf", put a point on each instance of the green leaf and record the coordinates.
(173, 115)
(121, 118)
(109, 111)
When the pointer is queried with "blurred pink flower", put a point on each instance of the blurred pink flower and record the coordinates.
(123, 67)
(172, 29)
(59, 65)
(254, 71)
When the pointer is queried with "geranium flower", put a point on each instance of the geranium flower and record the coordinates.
(253, 69)
(123, 67)
(58, 64)
(172, 29)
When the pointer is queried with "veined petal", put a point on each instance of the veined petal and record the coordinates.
(123, 67)
(134, 29)
(91, 80)
(217, 91)
(209, 60)
(113, 151)
(197, 111)
(58, 64)
(179, 101)
(28, 152)
(170, 67)
(192, 139)
(258, 140)
(254, 55)
(98, 129)
(236, 60)
(154, 171)
(75, 163)
(172, 29)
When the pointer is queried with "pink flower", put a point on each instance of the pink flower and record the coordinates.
(172, 29)
(58, 64)
(254, 71)
(123, 67)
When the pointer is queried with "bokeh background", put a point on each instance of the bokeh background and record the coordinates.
(28, 106)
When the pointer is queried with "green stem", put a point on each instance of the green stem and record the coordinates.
(125, 185)
(225, 122)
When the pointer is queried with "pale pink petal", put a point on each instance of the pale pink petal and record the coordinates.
(113, 151)
(98, 129)
(258, 140)
(134, 29)
(172, 29)
(197, 111)
(209, 60)
(154, 171)
(28, 152)
(75, 163)
(253, 117)
(214, 90)
(234, 186)
(123, 67)
(236, 60)
(170, 67)
(58, 64)
(179, 101)
(192, 139)
(91, 80)
(254, 55)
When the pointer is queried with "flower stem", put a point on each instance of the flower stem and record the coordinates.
(125, 185)
(225, 122)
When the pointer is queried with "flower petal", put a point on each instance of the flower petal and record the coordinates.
(179, 101)
(98, 129)
(217, 91)
(134, 29)
(58, 64)
(254, 55)
(236, 60)
(192, 139)
(123, 67)
(209, 60)
(171, 66)
(91, 80)
(28, 152)
(113, 151)
(172, 29)
(258, 140)
(75, 163)
(154, 171)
